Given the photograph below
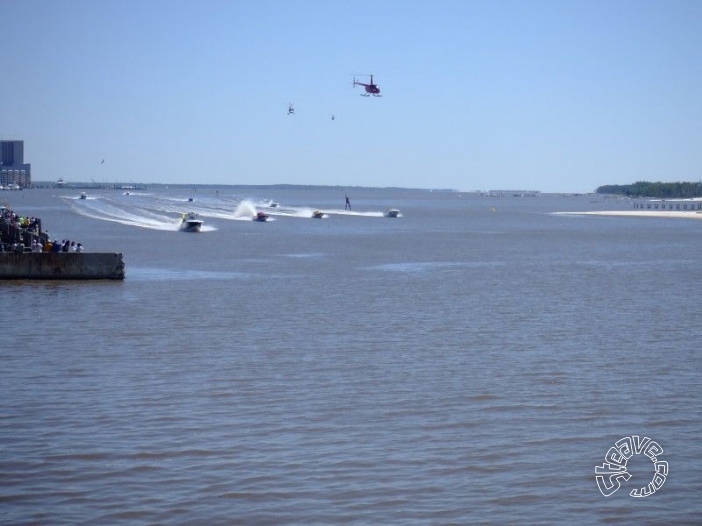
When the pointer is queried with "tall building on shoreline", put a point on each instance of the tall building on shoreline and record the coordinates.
(13, 170)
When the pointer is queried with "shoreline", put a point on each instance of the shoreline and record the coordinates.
(676, 214)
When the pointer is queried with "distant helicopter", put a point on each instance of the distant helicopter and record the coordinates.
(291, 109)
(371, 88)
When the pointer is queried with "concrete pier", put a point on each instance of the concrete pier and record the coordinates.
(61, 265)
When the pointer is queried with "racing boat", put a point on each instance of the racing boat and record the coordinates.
(190, 223)
(260, 216)
(392, 212)
(317, 214)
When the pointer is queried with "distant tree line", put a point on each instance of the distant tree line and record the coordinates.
(659, 190)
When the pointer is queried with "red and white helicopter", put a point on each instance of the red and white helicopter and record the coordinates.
(371, 88)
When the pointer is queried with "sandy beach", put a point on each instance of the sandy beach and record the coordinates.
(688, 214)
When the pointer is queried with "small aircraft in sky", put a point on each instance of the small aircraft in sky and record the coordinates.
(371, 88)
(291, 109)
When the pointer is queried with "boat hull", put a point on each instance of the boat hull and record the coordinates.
(191, 226)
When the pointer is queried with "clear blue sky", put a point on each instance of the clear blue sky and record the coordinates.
(557, 96)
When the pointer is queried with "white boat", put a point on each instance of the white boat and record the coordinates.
(190, 223)
(392, 212)
(83, 195)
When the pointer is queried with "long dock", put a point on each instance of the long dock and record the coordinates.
(62, 265)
